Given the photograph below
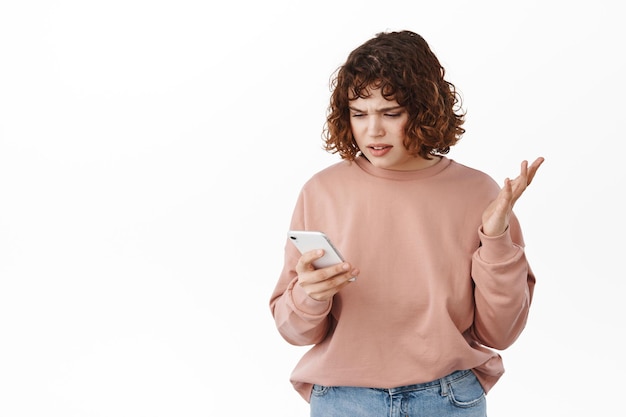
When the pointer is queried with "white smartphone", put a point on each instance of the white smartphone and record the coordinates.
(311, 240)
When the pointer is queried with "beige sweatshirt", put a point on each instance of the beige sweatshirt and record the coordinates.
(434, 294)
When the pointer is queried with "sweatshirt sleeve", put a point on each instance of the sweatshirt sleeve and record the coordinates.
(504, 285)
(300, 319)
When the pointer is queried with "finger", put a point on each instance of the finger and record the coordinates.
(507, 193)
(523, 173)
(324, 274)
(335, 270)
(324, 288)
(533, 169)
(338, 280)
(524, 168)
(305, 263)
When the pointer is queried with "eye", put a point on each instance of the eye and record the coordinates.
(393, 115)
(357, 115)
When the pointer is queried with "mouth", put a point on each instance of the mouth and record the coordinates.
(379, 150)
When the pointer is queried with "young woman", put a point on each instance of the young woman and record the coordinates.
(441, 275)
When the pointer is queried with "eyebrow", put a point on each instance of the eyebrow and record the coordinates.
(381, 110)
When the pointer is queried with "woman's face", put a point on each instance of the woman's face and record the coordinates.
(378, 128)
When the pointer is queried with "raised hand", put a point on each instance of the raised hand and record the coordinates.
(496, 216)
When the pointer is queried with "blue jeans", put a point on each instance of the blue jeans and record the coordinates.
(458, 394)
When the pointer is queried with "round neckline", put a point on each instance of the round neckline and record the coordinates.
(391, 174)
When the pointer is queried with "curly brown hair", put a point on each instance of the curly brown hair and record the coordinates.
(403, 66)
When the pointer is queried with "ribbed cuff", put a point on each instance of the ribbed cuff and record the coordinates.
(497, 249)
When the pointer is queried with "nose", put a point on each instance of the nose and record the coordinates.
(375, 127)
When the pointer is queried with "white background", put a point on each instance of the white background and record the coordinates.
(151, 153)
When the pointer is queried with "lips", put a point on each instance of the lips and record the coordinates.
(379, 149)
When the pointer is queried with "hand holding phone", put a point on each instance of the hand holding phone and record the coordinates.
(307, 241)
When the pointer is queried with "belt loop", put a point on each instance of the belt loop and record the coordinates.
(444, 386)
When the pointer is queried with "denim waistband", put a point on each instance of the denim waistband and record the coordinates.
(425, 385)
